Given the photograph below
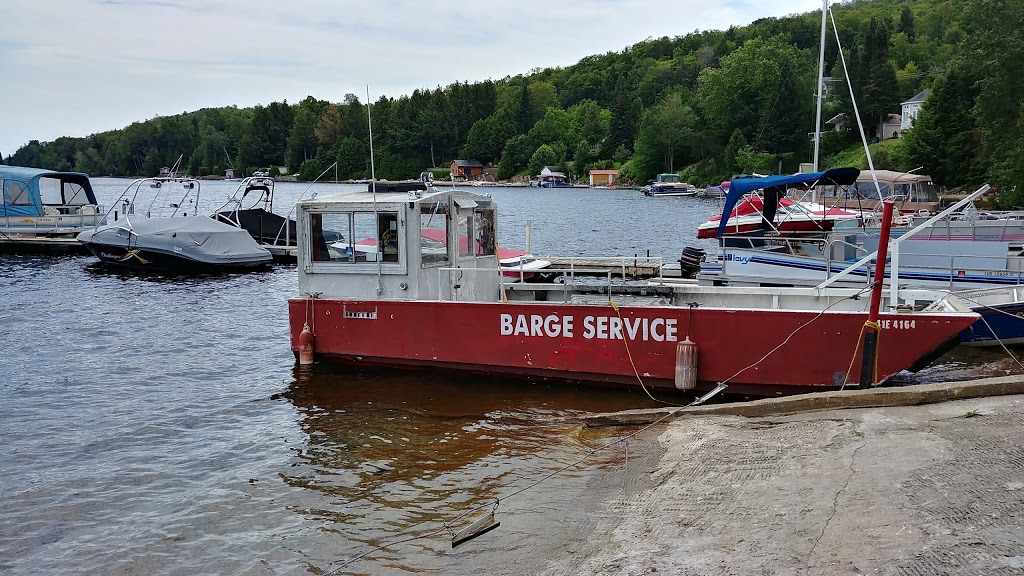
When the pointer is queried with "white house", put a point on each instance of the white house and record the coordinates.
(911, 108)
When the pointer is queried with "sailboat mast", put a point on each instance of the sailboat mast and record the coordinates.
(821, 86)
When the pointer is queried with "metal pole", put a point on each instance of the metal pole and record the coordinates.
(870, 333)
(529, 234)
(821, 84)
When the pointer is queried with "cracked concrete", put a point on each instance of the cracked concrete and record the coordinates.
(914, 490)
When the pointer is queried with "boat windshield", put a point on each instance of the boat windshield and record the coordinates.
(433, 234)
(668, 178)
(920, 191)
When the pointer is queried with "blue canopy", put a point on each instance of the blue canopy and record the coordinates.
(741, 186)
(22, 195)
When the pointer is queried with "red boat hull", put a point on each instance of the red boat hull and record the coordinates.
(787, 226)
(589, 342)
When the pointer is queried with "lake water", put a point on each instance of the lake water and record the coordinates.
(160, 426)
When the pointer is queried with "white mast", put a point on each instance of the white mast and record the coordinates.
(821, 86)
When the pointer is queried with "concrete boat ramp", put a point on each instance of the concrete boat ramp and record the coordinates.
(896, 486)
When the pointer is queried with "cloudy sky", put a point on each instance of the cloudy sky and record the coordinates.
(75, 67)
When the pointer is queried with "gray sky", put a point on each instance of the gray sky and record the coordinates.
(76, 67)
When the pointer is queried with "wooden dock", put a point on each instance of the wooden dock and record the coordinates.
(41, 245)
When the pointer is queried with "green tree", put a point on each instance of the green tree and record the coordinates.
(542, 96)
(515, 156)
(524, 111)
(591, 122)
(878, 85)
(328, 127)
(544, 156)
(626, 110)
(152, 163)
(730, 157)
(302, 139)
(907, 24)
(488, 137)
(665, 137)
(758, 85)
(996, 50)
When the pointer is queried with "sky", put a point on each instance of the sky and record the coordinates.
(77, 67)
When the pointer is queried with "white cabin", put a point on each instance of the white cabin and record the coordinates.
(417, 245)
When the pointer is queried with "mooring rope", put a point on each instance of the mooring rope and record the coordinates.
(798, 328)
(993, 332)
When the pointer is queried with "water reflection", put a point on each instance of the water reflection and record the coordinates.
(395, 452)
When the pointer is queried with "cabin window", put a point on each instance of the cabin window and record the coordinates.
(354, 238)
(485, 241)
(49, 191)
(433, 234)
(16, 194)
(75, 195)
(465, 233)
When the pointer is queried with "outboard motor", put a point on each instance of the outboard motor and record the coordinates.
(689, 261)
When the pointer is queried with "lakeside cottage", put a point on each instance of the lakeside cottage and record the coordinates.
(466, 169)
(912, 107)
(604, 177)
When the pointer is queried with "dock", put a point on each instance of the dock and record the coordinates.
(283, 254)
(41, 245)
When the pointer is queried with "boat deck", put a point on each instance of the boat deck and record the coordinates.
(636, 267)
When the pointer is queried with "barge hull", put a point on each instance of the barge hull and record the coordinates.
(588, 343)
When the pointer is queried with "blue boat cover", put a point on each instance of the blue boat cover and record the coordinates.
(741, 186)
(15, 181)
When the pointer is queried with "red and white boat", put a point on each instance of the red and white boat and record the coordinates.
(790, 216)
(761, 341)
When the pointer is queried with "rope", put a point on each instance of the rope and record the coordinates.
(993, 332)
(629, 355)
(860, 337)
(793, 333)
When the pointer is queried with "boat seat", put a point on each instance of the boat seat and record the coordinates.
(50, 211)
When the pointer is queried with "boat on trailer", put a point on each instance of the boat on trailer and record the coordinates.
(175, 244)
(43, 210)
(358, 311)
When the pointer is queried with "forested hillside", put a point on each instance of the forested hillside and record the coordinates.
(708, 104)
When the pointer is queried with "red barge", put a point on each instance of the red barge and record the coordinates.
(425, 303)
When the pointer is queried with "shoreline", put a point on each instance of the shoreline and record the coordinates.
(924, 488)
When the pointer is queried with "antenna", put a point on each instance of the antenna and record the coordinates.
(373, 188)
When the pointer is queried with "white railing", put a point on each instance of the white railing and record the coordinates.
(568, 276)
(894, 247)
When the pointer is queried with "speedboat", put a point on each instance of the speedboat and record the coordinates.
(178, 244)
(669, 185)
(44, 210)
(251, 208)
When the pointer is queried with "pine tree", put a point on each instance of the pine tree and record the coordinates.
(943, 138)
(878, 86)
(907, 24)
